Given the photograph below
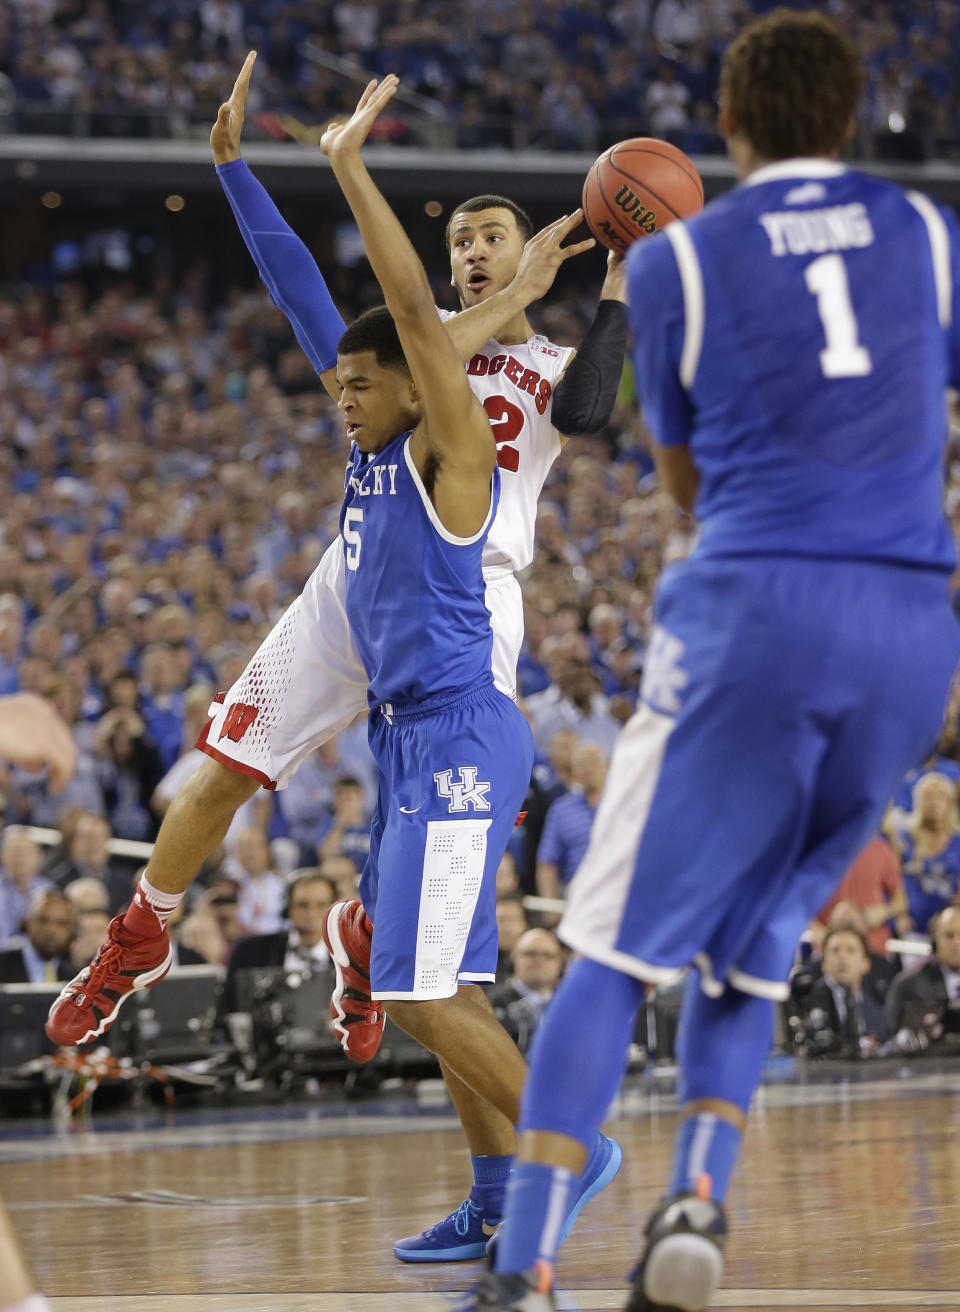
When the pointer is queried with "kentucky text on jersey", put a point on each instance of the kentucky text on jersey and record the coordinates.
(414, 591)
(799, 335)
(527, 380)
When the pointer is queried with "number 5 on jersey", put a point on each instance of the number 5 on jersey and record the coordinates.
(351, 537)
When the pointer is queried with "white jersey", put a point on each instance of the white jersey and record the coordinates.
(305, 682)
(515, 386)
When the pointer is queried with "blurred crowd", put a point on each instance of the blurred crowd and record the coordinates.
(172, 474)
(553, 75)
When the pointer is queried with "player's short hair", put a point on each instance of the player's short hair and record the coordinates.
(491, 202)
(375, 331)
(791, 83)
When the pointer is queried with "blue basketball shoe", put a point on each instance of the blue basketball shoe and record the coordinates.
(467, 1236)
(460, 1237)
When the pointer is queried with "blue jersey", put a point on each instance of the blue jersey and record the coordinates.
(799, 335)
(414, 591)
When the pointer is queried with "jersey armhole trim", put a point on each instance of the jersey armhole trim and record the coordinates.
(691, 280)
(939, 249)
(431, 509)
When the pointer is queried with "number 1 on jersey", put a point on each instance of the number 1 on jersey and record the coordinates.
(844, 357)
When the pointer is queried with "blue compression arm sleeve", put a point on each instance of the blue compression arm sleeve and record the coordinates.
(286, 266)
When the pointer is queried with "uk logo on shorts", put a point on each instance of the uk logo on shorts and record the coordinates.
(664, 679)
(466, 793)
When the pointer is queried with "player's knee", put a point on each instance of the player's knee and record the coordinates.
(216, 787)
(421, 1018)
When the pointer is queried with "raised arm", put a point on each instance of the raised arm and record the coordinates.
(286, 266)
(453, 445)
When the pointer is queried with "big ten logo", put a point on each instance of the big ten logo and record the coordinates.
(635, 210)
(465, 793)
(237, 721)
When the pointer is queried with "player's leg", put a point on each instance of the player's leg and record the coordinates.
(301, 686)
(723, 1040)
(18, 1288)
(461, 1029)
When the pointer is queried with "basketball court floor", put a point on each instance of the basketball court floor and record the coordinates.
(848, 1197)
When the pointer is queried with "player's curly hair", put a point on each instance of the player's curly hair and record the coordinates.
(791, 83)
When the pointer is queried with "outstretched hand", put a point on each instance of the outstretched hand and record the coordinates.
(615, 284)
(225, 133)
(543, 254)
(33, 734)
(341, 138)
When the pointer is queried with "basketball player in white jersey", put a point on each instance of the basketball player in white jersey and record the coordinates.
(305, 682)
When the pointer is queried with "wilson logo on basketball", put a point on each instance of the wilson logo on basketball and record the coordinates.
(237, 721)
(634, 208)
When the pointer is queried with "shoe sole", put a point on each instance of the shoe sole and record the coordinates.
(682, 1271)
(463, 1253)
(605, 1177)
(341, 961)
(143, 981)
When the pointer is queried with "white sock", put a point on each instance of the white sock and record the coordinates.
(33, 1303)
(160, 903)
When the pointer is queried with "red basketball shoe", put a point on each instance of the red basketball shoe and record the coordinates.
(88, 1005)
(357, 1019)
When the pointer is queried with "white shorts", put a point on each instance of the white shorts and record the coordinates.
(305, 682)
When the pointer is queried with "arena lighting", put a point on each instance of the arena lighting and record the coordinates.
(175, 203)
(433, 208)
(51, 200)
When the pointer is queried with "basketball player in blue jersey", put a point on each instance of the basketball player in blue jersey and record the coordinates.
(453, 751)
(793, 345)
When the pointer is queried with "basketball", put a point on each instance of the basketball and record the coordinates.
(636, 188)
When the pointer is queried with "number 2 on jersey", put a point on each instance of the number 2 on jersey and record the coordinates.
(844, 357)
(351, 537)
(506, 421)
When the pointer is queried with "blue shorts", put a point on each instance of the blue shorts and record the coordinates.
(783, 701)
(452, 778)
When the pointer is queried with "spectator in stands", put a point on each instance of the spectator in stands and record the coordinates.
(551, 779)
(89, 858)
(89, 933)
(300, 947)
(343, 874)
(42, 956)
(201, 936)
(88, 894)
(512, 924)
(874, 883)
(307, 801)
(573, 700)
(222, 900)
(519, 1003)
(162, 701)
(840, 1014)
(130, 771)
(347, 833)
(566, 831)
(20, 879)
(262, 892)
(928, 844)
(508, 883)
(923, 1006)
